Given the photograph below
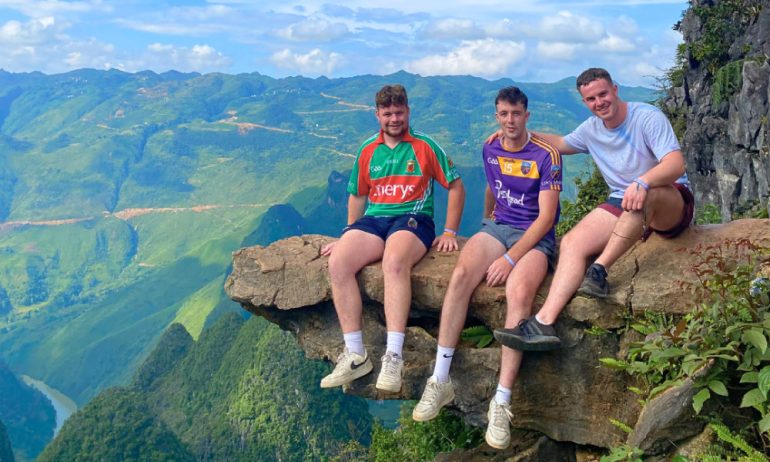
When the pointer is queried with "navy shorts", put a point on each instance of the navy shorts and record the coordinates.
(419, 224)
(508, 235)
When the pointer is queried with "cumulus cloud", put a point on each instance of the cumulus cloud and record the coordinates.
(453, 28)
(488, 58)
(615, 44)
(314, 29)
(160, 56)
(557, 50)
(315, 62)
(567, 27)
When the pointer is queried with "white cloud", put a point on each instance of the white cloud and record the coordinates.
(162, 57)
(614, 44)
(488, 57)
(557, 50)
(314, 29)
(453, 28)
(41, 8)
(33, 32)
(315, 62)
(567, 27)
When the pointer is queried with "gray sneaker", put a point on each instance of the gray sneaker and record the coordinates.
(529, 335)
(350, 366)
(435, 396)
(499, 428)
(390, 373)
(595, 282)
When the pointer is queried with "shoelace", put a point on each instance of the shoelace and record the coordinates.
(501, 412)
(431, 393)
(390, 365)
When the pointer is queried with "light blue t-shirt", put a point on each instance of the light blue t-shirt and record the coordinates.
(630, 150)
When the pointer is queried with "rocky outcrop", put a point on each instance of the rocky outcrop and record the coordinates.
(723, 95)
(565, 394)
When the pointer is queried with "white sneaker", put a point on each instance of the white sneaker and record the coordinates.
(391, 372)
(499, 429)
(435, 396)
(350, 366)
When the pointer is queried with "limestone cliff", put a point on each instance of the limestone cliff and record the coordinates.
(565, 394)
(721, 93)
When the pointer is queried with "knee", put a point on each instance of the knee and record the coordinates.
(340, 270)
(394, 267)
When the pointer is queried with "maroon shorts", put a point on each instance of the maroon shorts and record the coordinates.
(612, 205)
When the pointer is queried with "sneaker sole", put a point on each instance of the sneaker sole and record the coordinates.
(426, 417)
(357, 374)
(391, 387)
(518, 344)
(495, 444)
(591, 292)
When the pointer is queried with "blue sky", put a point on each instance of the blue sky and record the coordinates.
(526, 40)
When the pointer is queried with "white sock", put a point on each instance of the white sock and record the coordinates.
(443, 362)
(354, 342)
(396, 342)
(503, 395)
(537, 318)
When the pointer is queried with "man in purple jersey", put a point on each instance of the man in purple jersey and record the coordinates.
(514, 247)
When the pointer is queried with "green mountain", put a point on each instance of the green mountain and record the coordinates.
(6, 452)
(242, 392)
(28, 417)
(123, 195)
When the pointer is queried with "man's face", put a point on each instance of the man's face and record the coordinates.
(394, 119)
(513, 121)
(601, 98)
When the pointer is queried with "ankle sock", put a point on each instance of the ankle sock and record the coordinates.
(396, 342)
(503, 395)
(537, 318)
(443, 363)
(354, 342)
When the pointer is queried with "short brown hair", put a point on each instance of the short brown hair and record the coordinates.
(512, 95)
(594, 73)
(390, 95)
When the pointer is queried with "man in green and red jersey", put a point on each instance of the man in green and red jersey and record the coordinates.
(390, 217)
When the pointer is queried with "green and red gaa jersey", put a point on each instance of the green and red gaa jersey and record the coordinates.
(400, 180)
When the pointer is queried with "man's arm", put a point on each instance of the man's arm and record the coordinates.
(548, 201)
(668, 170)
(558, 142)
(356, 208)
(489, 202)
(454, 210)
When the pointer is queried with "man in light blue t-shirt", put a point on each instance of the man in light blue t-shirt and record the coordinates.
(636, 150)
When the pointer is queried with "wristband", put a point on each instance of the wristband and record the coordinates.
(640, 182)
(509, 259)
(450, 232)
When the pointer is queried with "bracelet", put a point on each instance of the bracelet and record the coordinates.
(640, 182)
(509, 259)
(450, 232)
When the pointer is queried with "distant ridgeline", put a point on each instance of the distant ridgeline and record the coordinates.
(27, 415)
(243, 392)
(123, 195)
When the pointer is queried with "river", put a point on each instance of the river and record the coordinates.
(62, 404)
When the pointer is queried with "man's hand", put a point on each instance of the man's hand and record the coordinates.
(498, 272)
(445, 243)
(634, 198)
(494, 136)
(327, 249)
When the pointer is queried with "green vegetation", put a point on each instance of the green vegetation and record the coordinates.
(708, 214)
(225, 397)
(722, 342)
(27, 414)
(591, 192)
(728, 80)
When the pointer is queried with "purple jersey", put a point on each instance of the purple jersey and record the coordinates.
(517, 177)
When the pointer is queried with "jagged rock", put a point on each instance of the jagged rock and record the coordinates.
(727, 145)
(564, 394)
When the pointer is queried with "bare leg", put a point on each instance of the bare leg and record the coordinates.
(587, 238)
(520, 291)
(663, 211)
(476, 256)
(354, 250)
(402, 251)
